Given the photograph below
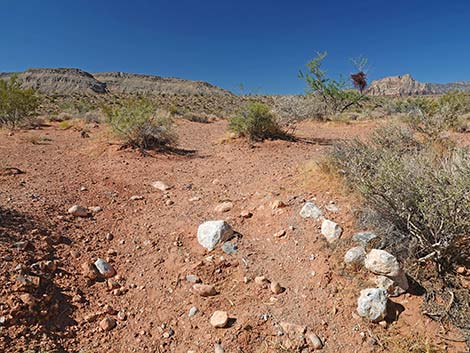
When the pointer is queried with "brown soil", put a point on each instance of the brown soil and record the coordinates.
(156, 246)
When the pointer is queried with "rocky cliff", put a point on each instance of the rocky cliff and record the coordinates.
(406, 85)
(66, 81)
(59, 81)
(120, 82)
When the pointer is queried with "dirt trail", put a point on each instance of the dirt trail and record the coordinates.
(155, 243)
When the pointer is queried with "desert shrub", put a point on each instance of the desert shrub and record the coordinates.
(433, 115)
(173, 109)
(420, 196)
(197, 117)
(94, 116)
(16, 104)
(75, 106)
(62, 116)
(256, 122)
(139, 125)
(292, 110)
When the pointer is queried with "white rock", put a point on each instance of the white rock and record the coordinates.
(104, 268)
(211, 233)
(381, 262)
(136, 197)
(372, 304)
(394, 286)
(78, 211)
(355, 255)
(160, 185)
(193, 278)
(310, 210)
(193, 311)
(331, 230)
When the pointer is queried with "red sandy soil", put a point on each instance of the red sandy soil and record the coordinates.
(156, 246)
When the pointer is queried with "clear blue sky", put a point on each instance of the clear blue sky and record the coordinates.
(261, 44)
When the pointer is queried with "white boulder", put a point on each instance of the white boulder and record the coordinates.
(211, 233)
(372, 304)
(310, 210)
(355, 255)
(331, 230)
(383, 263)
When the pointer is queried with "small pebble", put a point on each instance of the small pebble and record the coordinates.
(219, 319)
(107, 324)
(193, 311)
(276, 288)
(204, 290)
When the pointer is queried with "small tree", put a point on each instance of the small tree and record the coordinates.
(16, 103)
(337, 96)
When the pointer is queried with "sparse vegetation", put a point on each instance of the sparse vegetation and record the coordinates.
(139, 125)
(418, 188)
(432, 115)
(16, 104)
(197, 117)
(255, 122)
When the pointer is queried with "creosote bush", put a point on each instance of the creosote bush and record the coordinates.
(432, 115)
(16, 104)
(418, 188)
(139, 125)
(256, 122)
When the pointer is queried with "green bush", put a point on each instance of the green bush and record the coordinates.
(255, 122)
(419, 195)
(139, 125)
(434, 115)
(16, 104)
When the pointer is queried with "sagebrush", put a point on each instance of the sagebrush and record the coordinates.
(139, 124)
(419, 192)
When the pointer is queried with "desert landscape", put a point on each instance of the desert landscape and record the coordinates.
(234, 176)
(148, 214)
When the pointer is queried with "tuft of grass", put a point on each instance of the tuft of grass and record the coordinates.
(397, 343)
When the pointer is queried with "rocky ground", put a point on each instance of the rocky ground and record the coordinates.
(277, 286)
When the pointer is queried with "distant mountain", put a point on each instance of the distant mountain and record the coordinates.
(64, 81)
(406, 85)
(59, 81)
(120, 82)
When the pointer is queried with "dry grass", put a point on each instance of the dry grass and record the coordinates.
(321, 176)
(397, 343)
(37, 140)
(76, 124)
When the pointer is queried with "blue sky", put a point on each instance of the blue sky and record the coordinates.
(261, 44)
